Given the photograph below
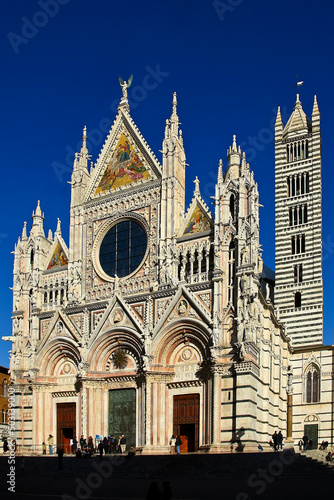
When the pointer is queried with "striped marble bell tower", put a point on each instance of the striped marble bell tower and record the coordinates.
(298, 226)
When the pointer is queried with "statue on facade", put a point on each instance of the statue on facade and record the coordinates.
(125, 85)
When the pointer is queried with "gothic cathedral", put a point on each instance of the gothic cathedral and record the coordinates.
(160, 320)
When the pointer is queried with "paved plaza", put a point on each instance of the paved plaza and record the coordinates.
(239, 476)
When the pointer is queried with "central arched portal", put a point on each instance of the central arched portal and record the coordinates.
(186, 421)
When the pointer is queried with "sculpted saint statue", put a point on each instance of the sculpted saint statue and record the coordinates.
(125, 85)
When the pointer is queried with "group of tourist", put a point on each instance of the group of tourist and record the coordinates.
(108, 445)
(277, 441)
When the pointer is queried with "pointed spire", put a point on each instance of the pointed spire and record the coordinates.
(234, 155)
(24, 232)
(278, 124)
(37, 221)
(220, 170)
(58, 230)
(50, 235)
(297, 98)
(243, 162)
(234, 145)
(315, 116)
(174, 119)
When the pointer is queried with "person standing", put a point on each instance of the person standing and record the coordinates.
(74, 445)
(280, 441)
(44, 448)
(100, 448)
(305, 441)
(172, 444)
(50, 443)
(178, 443)
(274, 438)
(82, 442)
(123, 443)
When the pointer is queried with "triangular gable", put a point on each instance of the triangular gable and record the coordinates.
(198, 218)
(58, 255)
(118, 313)
(60, 327)
(125, 160)
(184, 305)
(198, 222)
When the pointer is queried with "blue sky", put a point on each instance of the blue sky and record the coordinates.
(231, 62)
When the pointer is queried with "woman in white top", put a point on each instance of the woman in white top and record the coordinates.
(172, 444)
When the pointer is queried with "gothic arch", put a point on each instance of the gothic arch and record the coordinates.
(102, 349)
(187, 333)
(54, 352)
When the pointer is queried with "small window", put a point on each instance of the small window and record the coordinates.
(298, 299)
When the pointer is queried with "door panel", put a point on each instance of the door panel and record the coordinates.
(66, 425)
(122, 414)
(186, 421)
(311, 431)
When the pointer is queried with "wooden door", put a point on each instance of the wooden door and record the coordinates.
(66, 425)
(186, 421)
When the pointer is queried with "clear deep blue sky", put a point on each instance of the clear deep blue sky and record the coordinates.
(230, 62)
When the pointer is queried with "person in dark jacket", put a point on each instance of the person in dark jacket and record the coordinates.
(74, 445)
(178, 443)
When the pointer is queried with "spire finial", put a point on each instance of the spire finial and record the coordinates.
(24, 231)
(84, 136)
(174, 102)
(58, 230)
(220, 169)
(234, 145)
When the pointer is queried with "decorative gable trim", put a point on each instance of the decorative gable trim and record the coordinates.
(183, 297)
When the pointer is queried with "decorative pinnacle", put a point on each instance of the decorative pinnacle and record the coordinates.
(84, 137)
(174, 102)
(58, 230)
(220, 169)
(24, 231)
(234, 145)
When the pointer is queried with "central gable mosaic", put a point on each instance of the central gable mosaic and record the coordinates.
(124, 168)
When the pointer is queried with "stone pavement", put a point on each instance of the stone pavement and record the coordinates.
(237, 476)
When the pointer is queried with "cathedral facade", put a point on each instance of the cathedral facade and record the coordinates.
(157, 319)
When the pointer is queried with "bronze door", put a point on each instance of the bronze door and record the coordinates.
(66, 425)
(186, 420)
(122, 414)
